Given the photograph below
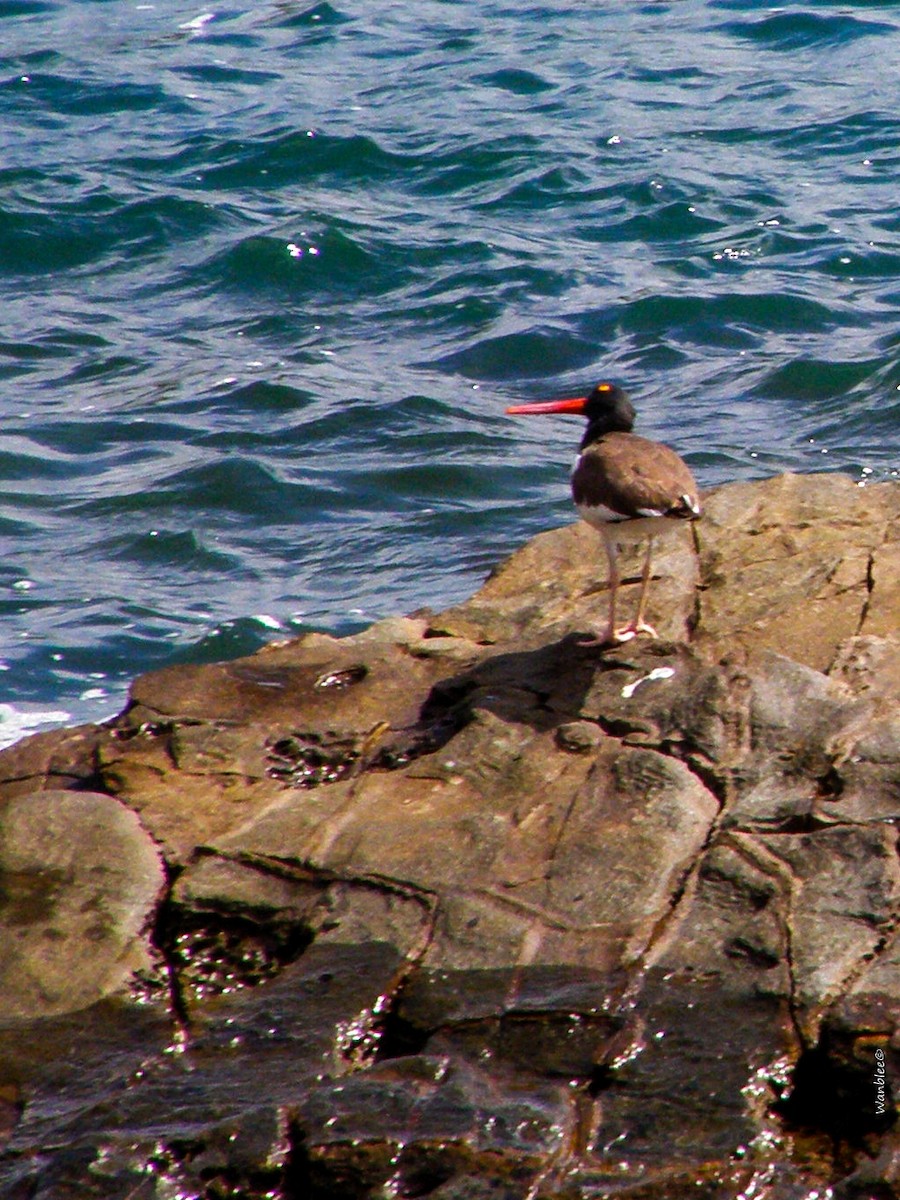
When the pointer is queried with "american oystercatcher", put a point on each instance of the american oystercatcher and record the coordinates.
(624, 485)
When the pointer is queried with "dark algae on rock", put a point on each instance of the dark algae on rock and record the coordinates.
(458, 908)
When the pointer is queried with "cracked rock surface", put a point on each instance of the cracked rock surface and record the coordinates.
(458, 907)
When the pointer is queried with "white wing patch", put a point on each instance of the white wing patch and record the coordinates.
(692, 503)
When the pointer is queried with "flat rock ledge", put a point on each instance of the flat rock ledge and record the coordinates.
(460, 908)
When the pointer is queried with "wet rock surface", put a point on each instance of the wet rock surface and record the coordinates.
(461, 908)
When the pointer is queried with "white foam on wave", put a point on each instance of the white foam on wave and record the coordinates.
(17, 721)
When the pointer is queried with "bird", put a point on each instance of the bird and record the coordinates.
(624, 485)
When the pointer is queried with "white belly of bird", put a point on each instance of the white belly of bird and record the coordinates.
(624, 529)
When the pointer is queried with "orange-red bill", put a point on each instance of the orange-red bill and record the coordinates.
(575, 405)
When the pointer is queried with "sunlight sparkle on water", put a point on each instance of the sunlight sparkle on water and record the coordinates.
(197, 23)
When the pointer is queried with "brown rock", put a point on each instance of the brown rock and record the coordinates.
(57, 758)
(556, 584)
(789, 565)
(470, 904)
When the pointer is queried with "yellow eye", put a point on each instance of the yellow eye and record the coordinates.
(604, 387)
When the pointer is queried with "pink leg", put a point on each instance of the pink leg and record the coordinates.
(639, 625)
(612, 636)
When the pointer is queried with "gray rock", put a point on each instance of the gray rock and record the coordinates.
(81, 880)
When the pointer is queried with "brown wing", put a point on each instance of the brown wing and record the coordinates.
(635, 477)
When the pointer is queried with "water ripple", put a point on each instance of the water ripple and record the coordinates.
(798, 30)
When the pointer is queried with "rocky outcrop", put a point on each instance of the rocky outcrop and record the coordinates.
(459, 907)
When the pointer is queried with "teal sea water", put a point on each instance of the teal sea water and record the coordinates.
(271, 272)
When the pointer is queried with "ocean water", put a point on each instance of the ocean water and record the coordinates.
(270, 273)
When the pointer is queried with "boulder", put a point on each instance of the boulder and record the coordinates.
(461, 906)
(81, 880)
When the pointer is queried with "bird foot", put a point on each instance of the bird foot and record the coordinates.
(618, 637)
(637, 627)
